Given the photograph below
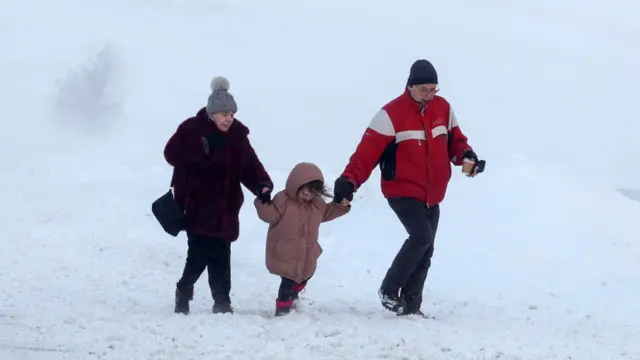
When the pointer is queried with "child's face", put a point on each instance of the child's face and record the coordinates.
(305, 194)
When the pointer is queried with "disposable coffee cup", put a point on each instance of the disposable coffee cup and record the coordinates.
(467, 166)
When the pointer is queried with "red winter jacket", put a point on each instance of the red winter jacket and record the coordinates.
(413, 146)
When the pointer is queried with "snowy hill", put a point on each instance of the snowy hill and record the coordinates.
(538, 258)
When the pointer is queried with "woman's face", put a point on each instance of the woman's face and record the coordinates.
(223, 120)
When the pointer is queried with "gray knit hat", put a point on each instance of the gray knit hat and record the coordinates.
(220, 100)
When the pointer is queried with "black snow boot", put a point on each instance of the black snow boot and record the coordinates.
(182, 300)
(415, 313)
(222, 308)
(412, 306)
(391, 301)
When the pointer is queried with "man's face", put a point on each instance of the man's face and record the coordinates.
(223, 120)
(423, 92)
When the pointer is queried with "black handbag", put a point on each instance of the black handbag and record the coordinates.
(169, 214)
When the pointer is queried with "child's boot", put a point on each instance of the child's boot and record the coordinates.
(283, 307)
(297, 289)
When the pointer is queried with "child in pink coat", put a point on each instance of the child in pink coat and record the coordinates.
(294, 217)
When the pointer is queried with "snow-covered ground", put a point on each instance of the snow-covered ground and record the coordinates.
(538, 258)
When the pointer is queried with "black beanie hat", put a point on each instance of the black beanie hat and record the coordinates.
(422, 72)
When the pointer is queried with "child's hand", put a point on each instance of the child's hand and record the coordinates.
(345, 203)
(265, 195)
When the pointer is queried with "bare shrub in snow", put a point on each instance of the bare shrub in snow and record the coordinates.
(631, 194)
(86, 98)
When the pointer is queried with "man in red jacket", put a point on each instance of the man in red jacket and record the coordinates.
(414, 139)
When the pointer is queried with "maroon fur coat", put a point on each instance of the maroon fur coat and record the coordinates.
(208, 187)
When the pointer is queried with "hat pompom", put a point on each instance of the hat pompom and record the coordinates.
(220, 83)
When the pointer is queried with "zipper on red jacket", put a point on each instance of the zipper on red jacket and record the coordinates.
(426, 146)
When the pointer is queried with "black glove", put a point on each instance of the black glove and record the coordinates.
(479, 164)
(471, 155)
(212, 142)
(265, 197)
(342, 189)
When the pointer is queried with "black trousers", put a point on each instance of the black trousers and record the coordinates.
(214, 255)
(287, 291)
(410, 267)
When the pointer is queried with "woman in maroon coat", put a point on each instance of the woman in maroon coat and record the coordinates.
(212, 156)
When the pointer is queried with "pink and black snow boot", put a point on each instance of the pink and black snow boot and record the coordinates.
(284, 307)
(297, 289)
